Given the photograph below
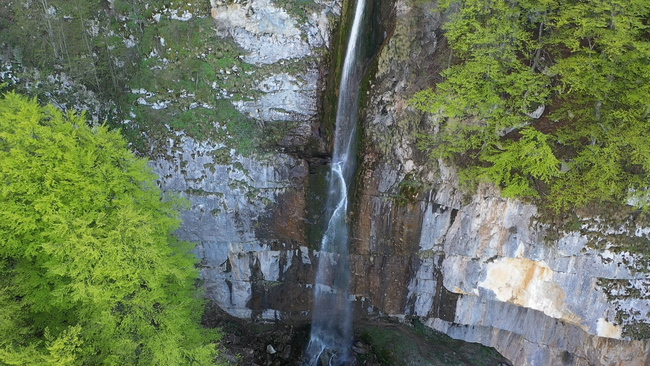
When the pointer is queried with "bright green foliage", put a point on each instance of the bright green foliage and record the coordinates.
(607, 171)
(517, 162)
(588, 62)
(493, 82)
(90, 273)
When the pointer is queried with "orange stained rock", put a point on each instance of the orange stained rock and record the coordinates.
(530, 284)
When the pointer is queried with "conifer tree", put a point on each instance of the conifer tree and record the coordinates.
(90, 273)
(547, 98)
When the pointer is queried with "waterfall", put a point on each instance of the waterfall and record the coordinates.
(331, 329)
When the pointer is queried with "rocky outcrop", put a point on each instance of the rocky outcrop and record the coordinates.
(484, 268)
(271, 36)
(248, 213)
(232, 200)
(481, 268)
(269, 33)
(512, 281)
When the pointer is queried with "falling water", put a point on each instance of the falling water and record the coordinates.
(331, 330)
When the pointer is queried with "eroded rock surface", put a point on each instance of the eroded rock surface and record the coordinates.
(484, 269)
(269, 33)
(285, 98)
(248, 212)
(481, 268)
(290, 49)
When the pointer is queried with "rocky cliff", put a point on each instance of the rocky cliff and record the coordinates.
(481, 268)
(249, 211)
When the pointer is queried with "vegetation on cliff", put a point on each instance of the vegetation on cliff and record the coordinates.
(90, 272)
(151, 68)
(547, 99)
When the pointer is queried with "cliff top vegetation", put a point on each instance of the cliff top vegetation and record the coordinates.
(154, 69)
(548, 99)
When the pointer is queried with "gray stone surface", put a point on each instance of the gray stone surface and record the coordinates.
(269, 33)
(285, 98)
(478, 268)
(539, 300)
(228, 202)
(273, 38)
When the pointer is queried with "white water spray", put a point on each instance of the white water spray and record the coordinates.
(331, 330)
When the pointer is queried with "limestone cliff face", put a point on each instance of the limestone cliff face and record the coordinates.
(270, 35)
(248, 212)
(240, 237)
(480, 268)
(484, 268)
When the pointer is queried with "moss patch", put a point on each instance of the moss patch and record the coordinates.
(298, 9)
(399, 345)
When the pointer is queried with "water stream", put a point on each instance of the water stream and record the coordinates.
(331, 330)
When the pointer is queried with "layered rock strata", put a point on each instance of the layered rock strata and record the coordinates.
(248, 212)
(484, 268)
(481, 268)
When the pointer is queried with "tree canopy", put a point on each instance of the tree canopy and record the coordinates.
(548, 98)
(90, 273)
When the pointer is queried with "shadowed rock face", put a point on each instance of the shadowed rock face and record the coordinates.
(480, 269)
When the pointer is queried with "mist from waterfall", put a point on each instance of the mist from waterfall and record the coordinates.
(331, 329)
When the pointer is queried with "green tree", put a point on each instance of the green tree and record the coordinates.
(516, 164)
(90, 273)
(586, 62)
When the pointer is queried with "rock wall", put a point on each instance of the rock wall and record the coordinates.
(242, 241)
(271, 36)
(483, 268)
(480, 268)
(249, 212)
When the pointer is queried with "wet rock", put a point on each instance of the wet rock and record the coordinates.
(480, 268)
(286, 352)
(360, 348)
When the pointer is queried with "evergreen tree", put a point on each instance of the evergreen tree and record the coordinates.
(585, 65)
(90, 273)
